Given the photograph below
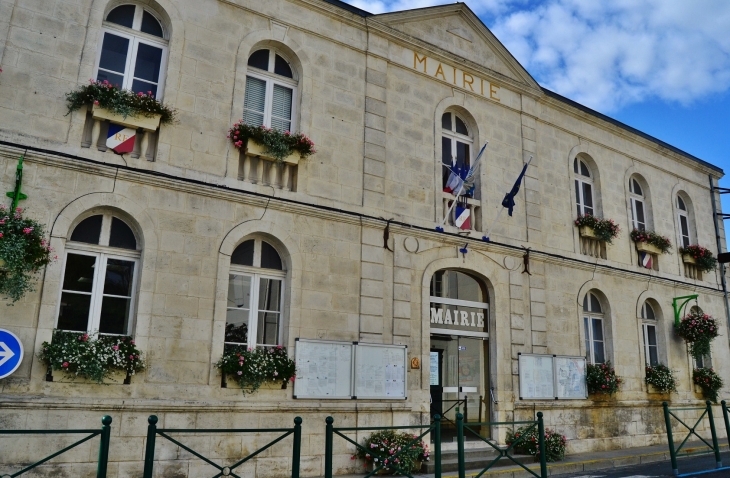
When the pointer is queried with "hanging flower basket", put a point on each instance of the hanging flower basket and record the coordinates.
(700, 256)
(271, 143)
(267, 367)
(23, 252)
(708, 381)
(594, 227)
(661, 378)
(698, 330)
(649, 241)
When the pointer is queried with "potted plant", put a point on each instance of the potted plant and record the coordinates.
(399, 453)
(699, 256)
(124, 107)
(271, 144)
(596, 228)
(96, 359)
(601, 378)
(698, 330)
(23, 252)
(660, 379)
(708, 381)
(526, 441)
(650, 241)
(254, 368)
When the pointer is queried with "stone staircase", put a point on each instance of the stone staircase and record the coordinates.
(476, 457)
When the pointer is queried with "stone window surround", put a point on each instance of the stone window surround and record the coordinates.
(582, 153)
(592, 287)
(639, 203)
(688, 214)
(648, 323)
(580, 180)
(272, 79)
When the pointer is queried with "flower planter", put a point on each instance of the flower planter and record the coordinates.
(687, 259)
(258, 151)
(654, 390)
(586, 231)
(646, 247)
(273, 386)
(147, 123)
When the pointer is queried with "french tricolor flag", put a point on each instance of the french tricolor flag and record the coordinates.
(120, 138)
(463, 217)
(645, 259)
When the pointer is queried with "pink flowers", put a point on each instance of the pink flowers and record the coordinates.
(96, 102)
(115, 347)
(27, 230)
(65, 365)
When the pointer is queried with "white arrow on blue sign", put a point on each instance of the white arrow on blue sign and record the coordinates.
(11, 353)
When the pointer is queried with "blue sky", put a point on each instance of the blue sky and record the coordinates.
(661, 66)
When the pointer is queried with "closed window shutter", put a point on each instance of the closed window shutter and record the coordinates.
(255, 101)
(281, 108)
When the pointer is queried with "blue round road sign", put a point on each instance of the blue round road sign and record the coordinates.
(11, 353)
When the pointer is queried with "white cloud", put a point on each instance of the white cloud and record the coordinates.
(610, 54)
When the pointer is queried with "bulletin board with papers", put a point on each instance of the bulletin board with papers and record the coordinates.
(324, 369)
(570, 377)
(536, 377)
(380, 371)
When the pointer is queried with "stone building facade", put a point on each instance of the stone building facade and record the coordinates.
(385, 98)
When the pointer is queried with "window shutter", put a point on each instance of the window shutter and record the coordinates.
(255, 101)
(281, 108)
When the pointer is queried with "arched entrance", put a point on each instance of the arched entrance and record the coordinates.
(459, 351)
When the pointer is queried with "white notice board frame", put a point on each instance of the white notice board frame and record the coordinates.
(526, 363)
(359, 392)
(304, 343)
(558, 358)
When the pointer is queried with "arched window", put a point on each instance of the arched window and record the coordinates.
(583, 187)
(133, 50)
(593, 324)
(683, 222)
(459, 302)
(255, 295)
(456, 149)
(100, 273)
(649, 326)
(271, 89)
(638, 205)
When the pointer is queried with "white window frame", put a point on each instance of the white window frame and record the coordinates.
(257, 273)
(637, 198)
(272, 79)
(683, 214)
(647, 323)
(588, 318)
(135, 37)
(580, 197)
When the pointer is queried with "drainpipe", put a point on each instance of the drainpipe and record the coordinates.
(719, 250)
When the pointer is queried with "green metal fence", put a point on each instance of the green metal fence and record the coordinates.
(153, 431)
(692, 431)
(331, 431)
(502, 452)
(103, 432)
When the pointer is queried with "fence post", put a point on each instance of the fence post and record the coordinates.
(149, 454)
(437, 445)
(296, 449)
(328, 436)
(106, 422)
(670, 440)
(727, 421)
(460, 443)
(715, 446)
(541, 444)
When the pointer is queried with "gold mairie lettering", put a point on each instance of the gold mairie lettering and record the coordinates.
(493, 92)
(440, 71)
(469, 81)
(417, 60)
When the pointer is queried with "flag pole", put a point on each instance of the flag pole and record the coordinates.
(486, 236)
(440, 228)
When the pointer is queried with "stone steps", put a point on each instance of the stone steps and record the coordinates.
(474, 459)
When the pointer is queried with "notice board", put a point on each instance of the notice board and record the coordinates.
(380, 371)
(537, 380)
(570, 377)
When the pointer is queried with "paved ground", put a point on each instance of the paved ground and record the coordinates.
(686, 466)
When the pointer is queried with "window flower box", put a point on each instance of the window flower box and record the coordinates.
(699, 256)
(596, 228)
(270, 143)
(147, 123)
(259, 151)
(646, 247)
(651, 242)
(587, 231)
(687, 259)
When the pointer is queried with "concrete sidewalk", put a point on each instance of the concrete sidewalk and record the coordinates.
(584, 462)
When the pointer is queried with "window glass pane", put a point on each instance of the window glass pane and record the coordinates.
(579, 202)
(575, 165)
(122, 15)
(254, 102)
(281, 108)
(74, 311)
(121, 235)
(259, 59)
(268, 328)
(457, 285)
(151, 25)
(446, 121)
(118, 279)
(281, 67)
(585, 303)
(595, 304)
(587, 330)
(462, 155)
(653, 356)
(597, 330)
(598, 353)
(648, 312)
(588, 195)
(269, 257)
(460, 126)
(144, 87)
(243, 254)
(584, 170)
(684, 229)
(112, 78)
(700, 363)
(88, 230)
(636, 187)
(114, 315)
(237, 326)
(640, 215)
(445, 158)
(147, 64)
(270, 295)
(79, 274)
(239, 291)
(651, 335)
(680, 204)
(114, 53)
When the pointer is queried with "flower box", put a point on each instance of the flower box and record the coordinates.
(646, 247)
(586, 231)
(654, 390)
(147, 123)
(687, 259)
(258, 151)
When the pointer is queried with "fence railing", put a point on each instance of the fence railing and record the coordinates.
(153, 431)
(104, 432)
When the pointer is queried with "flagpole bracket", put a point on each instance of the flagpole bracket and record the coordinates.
(439, 229)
